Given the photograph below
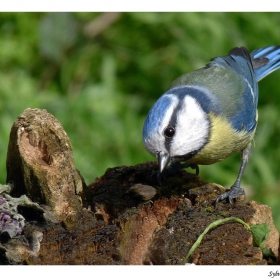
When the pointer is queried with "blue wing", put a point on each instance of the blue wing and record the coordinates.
(245, 102)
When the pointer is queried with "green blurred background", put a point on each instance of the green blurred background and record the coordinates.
(100, 73)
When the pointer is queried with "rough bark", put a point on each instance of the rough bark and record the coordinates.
(40, 164)
(123, 217)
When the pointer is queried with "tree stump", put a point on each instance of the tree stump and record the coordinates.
(40, 164)
(123, 217)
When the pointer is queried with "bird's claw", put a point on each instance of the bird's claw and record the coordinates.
(233, 193)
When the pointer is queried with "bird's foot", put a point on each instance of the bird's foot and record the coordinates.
(171, 170)
(233, 193)
(176, 166)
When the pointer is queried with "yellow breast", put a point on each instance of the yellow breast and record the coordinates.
(224, 141)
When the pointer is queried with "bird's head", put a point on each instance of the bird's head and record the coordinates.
(177, 126)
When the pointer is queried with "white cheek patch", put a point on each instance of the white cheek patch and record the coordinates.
(192, 128)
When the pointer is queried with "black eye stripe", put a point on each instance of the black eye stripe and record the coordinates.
(169, 131)
(172, 124)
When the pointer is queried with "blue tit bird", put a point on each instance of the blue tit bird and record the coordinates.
(211, 113)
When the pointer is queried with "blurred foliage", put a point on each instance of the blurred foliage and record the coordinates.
(99, 74)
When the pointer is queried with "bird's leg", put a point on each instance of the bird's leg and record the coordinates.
(236, 190)
(192, 166)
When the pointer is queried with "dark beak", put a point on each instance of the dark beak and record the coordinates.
(163, 160)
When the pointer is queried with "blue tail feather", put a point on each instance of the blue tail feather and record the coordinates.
(273, 54)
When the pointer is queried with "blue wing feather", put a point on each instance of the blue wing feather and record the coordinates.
(272, 53)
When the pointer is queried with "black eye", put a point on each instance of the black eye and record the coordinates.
(169, 131)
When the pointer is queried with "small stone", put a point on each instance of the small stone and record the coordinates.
(145, 192)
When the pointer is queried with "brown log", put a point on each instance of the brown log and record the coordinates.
(123, 217)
